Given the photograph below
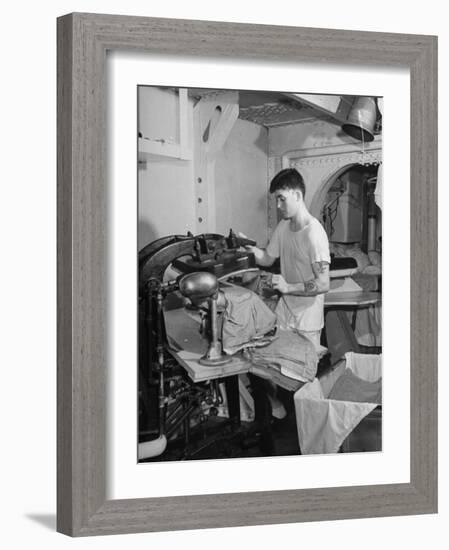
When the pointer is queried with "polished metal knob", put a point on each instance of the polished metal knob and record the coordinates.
(198, 285)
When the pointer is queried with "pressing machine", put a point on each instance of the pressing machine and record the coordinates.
(171, 407)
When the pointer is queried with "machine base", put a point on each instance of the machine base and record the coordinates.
(213, 362)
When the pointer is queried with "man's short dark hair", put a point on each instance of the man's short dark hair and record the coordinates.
(289, 178)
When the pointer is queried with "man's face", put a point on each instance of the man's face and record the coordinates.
(288, 201)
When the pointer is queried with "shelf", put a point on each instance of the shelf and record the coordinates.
(149, 148)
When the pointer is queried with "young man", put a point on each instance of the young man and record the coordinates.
(301, 243)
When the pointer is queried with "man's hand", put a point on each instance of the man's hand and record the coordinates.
(259, 254)
(280, 284)
(262, 257)
(248, 247)
(318, 285)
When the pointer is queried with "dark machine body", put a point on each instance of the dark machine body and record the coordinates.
(168, 400)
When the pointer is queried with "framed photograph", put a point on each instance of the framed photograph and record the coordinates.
(192, 378)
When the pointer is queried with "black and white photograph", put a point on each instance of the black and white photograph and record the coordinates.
(220, 303)
(259, 273)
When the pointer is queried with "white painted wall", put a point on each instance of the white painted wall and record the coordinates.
(241, 182)
(158, 113)
(28, 40)
(312, 139)
(165, 199)
(305, 135)
(165, 185)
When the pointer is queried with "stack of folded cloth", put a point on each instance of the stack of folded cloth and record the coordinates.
(247, 323)
(292, 353)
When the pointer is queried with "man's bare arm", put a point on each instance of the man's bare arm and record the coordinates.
(318, 285)
(262, 257)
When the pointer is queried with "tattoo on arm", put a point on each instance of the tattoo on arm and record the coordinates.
(321, 267)
(321, 272)
(318, 285)
(310, 286)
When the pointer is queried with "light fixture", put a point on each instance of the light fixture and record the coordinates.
(361, 119)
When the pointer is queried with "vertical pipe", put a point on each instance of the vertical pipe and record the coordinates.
(371, 233)
(160, 356)
(157, 446)
(372, 219)
(213, 319)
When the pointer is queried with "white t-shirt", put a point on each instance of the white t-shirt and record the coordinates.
(297, 251)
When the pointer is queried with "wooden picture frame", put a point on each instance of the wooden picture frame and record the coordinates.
(83, 40)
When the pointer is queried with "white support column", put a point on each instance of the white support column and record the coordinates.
(184, 145)
(214, 118)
